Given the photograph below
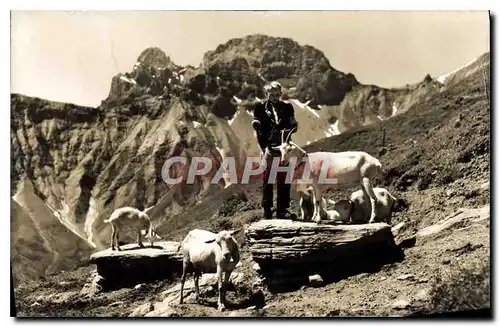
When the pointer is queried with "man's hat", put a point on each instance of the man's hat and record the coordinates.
(272, 85)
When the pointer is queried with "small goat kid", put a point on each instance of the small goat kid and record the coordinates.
(343, 169)
(128, 217)
(206, 252)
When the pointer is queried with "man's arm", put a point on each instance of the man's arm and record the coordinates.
(256, 124)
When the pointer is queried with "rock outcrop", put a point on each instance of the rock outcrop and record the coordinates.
(462, 217)
(134, 265)
(288, 252)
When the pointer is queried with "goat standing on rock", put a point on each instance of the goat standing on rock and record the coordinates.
(128, 217)
(206, 252)
(330, 170)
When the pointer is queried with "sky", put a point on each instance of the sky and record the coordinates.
(72, 56)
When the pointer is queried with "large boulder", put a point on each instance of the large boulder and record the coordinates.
(288, 252)
(133, 265)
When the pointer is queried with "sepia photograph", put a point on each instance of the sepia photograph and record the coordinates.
(257, 164)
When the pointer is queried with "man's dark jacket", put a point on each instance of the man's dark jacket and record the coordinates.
(270, 128)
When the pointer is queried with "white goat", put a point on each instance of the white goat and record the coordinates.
(342, 209)
(344, 169)
(206, 252)
(386, 203)
(128, 217)
(307, 204)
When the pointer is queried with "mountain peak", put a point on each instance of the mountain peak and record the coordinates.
(304, 71)
(155, 57)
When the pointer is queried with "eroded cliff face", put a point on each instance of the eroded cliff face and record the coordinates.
(42, 242)
(72, 166)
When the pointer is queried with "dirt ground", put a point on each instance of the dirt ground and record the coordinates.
(376, 294)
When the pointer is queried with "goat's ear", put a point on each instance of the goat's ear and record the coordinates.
(276, 148)
(210, 241)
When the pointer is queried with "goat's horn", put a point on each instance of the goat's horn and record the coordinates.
(289, 134)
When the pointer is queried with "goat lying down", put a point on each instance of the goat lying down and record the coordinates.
(357, 209)
(385, 205)
(342, 169)
(206, 252)
(341, 210)
(131, 218)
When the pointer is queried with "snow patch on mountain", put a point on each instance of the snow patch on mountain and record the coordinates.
(442, 78)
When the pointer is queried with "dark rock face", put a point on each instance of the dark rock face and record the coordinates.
(247, 63)
(155, 57)
(289, 252)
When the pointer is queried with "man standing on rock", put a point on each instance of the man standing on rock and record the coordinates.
(270, 119)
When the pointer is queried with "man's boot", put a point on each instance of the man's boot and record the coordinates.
(283, 200)
(268, 213)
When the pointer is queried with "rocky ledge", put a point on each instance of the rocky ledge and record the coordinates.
(133, 265)
(288, 252)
